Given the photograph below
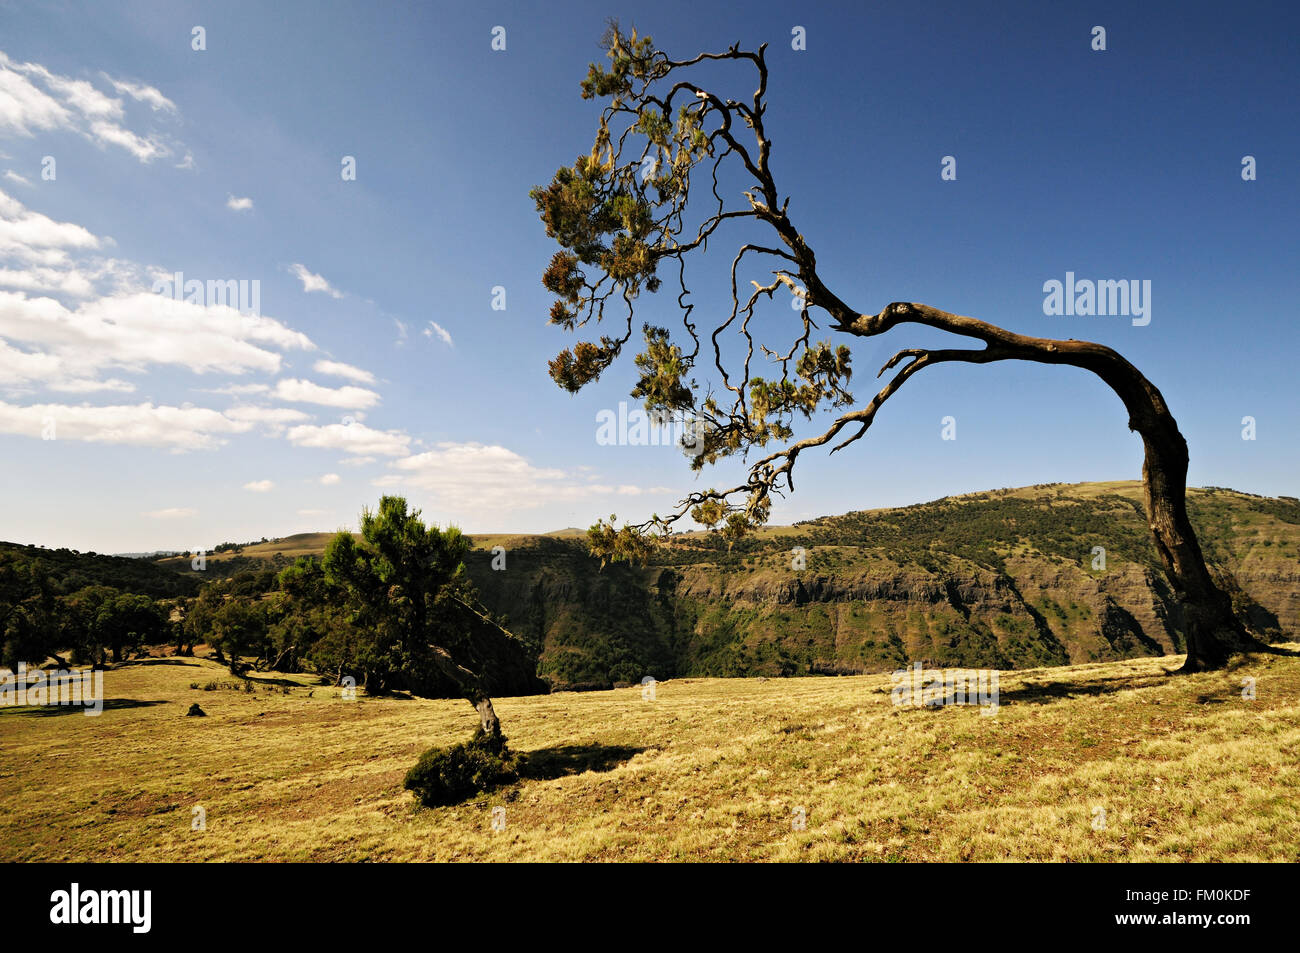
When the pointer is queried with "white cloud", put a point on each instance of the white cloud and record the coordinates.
(436, 328)
(140, 425)
(142, 93)
(240, 390)
(238, 204)
(357, 439)
(330, 479)
(307, 392)
(68, 319)
(172, 513)
(313, 282)
(78, 386)
(338, 369)
(34, 99)
(24, 108)
(272, 419)
(474, 478)
(13, 176)
(136, 330)
(36, 237)
(259, 486)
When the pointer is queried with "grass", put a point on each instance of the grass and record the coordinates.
(711, 769)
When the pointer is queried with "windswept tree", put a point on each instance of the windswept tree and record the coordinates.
(621, 216)
(408, 591)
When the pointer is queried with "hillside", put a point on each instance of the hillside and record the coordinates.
(70, 570)
(1184, 769)
(998, 579)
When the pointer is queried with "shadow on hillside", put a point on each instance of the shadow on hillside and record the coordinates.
(1046, 692)
(547, 764)
(187, 662)
(280, 681)
(47, 711)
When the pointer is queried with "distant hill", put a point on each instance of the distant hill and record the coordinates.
(999, 579)
(71, 570)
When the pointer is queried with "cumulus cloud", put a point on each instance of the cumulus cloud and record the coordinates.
(31, 236)
(313, 282)
(238, 204)
(307, 392)
(13, 176)
(137, 330)
(140, 425)
(479, 479)
(330, 479)
(338, 369)
(259, 486)
(356, 439)
(172, 513)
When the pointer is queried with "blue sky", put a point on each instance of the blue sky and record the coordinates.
(378, 363)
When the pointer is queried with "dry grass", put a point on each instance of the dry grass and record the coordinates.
(712, 769)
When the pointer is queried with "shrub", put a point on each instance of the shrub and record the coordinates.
(445, 776)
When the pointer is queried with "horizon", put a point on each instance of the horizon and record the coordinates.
(475, 535)
(373, 360)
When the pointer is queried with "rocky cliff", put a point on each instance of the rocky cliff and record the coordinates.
(1011, 578)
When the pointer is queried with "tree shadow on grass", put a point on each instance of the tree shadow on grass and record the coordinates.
(547, 764)
(267, 680)
(1046, 692)
(47, 711)
(188, 662)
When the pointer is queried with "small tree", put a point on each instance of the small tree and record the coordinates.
(238, 629)
(407, 588)
(620, 214)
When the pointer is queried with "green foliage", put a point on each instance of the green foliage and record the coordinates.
(402, 583)
(619, 216)
(445, 776)
(69, 570)
(239, 628)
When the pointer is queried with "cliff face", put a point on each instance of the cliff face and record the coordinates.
(1006, 579)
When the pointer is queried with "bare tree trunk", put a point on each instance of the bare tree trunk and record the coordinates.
(472, 687)
(1212, 630)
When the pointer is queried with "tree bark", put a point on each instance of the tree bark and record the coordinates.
(1211, 629)
(472, 688)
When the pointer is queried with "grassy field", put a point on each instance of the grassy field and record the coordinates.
(1185, 768)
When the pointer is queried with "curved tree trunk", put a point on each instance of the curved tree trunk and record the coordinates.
(472, 688)
(1211, 628)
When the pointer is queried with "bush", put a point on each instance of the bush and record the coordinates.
(445, 776)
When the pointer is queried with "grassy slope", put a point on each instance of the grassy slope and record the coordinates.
(712, 769)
